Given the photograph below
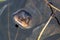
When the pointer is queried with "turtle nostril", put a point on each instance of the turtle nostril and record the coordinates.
(16, 26)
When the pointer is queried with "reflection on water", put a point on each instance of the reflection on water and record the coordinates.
(2, 0)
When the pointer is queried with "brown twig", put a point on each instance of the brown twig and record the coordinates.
(16, 34)
(8, 6)
(51, 6)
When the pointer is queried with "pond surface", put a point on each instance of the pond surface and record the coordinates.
(40, 14)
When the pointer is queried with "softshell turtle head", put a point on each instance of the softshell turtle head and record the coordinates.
(23, 18)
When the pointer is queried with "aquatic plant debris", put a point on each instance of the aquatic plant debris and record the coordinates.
(2, 9)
